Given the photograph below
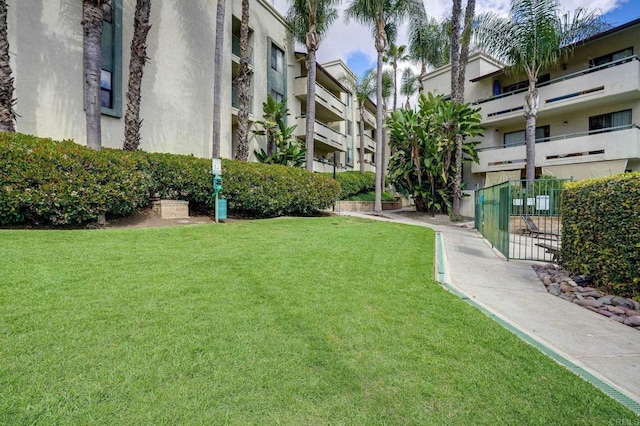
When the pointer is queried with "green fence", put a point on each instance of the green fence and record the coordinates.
(519, 221)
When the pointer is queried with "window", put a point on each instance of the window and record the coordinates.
(515, 138)
(276, 95)
(348, 99)
(277, 58)
(111, 46)
(611, 57)
(524, 84)
(349, 128)
(350, 156)
(607, 122)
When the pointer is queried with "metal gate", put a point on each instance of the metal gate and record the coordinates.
(521, 222)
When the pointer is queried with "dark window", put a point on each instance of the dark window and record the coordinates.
(608, 122)
(276, 95)
(514, 138)
(349, 128)
(611, 57)
(277, 58)
(524, 84)
(110, 76)
(350, 156)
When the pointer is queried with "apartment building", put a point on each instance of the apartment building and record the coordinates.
(177, 90)
(587, 123)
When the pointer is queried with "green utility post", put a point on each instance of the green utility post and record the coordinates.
(217, 187)
(216, 171)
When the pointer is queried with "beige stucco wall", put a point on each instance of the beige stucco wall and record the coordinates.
(45, 37)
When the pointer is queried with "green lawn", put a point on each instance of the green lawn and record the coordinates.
(285, 321)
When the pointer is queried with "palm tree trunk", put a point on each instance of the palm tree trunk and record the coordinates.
(92, 16)
(132, 121)
(7, 114)
(385, 156)
(457, 92)
(217, 79)
(423, 71)
(377, 207)
(395, 84)
(311, 105)
(361, 128)
(530, 112)
(244, 82)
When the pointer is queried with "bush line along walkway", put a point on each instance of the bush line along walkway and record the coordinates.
(510, 292)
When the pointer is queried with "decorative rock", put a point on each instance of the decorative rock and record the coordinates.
(554, 289)
(550, 266)
(623, 302)
(617, 318)
(594, 293)
(547, 281)
(592, 309)
(632, 313)
(572, 282)
(589, 303)
(606, 313)
(615, 309)
(606, 299)
(636, 305)
(565, 288)
(632, 321)
(565, 297)
(578, 296)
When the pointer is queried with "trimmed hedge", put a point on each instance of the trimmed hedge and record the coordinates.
(63, 183)
(354, 182)
(601, 231)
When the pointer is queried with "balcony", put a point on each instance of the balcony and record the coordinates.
(618, 81)
(616, 143)
(235, 49)
(328, 106)
(235, 102)
(369, 144)
(325, 138)
(369, 119)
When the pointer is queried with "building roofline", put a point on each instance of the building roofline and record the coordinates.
(591, 39)
(271, 8)
(325, 72)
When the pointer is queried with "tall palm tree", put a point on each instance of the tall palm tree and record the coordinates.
(532, 39)
(378, 15)
(217, 78)
(408, 85)
(132, 121)
(309, 21)
(92, 17)
(364, 88)
(429, 44)
(387, 88)
(243, 83)
(394, 55)
(460, 40)
(7, 114)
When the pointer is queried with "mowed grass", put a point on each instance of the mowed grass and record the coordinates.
(285, 321)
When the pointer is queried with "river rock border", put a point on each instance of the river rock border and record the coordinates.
(559, 282)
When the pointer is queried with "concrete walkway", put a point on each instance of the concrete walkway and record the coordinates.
(512, 292)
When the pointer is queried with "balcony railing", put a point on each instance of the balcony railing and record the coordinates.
(613, 143)
(324, 98)
(563, 78)
(323, 133)
(235, 103)
(235, 48)
(607, 82)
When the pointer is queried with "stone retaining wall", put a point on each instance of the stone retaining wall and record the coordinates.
(366, 206)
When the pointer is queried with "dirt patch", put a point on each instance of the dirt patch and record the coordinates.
(150, 219)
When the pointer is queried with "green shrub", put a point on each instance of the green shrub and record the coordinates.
(354, 182)
(62, 183)
(264, 190)
(601, 231)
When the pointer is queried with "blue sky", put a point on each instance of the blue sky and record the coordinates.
(353, 43)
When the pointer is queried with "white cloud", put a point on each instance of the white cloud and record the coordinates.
(345, 39)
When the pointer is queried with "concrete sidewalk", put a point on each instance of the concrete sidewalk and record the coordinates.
(512, 292)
